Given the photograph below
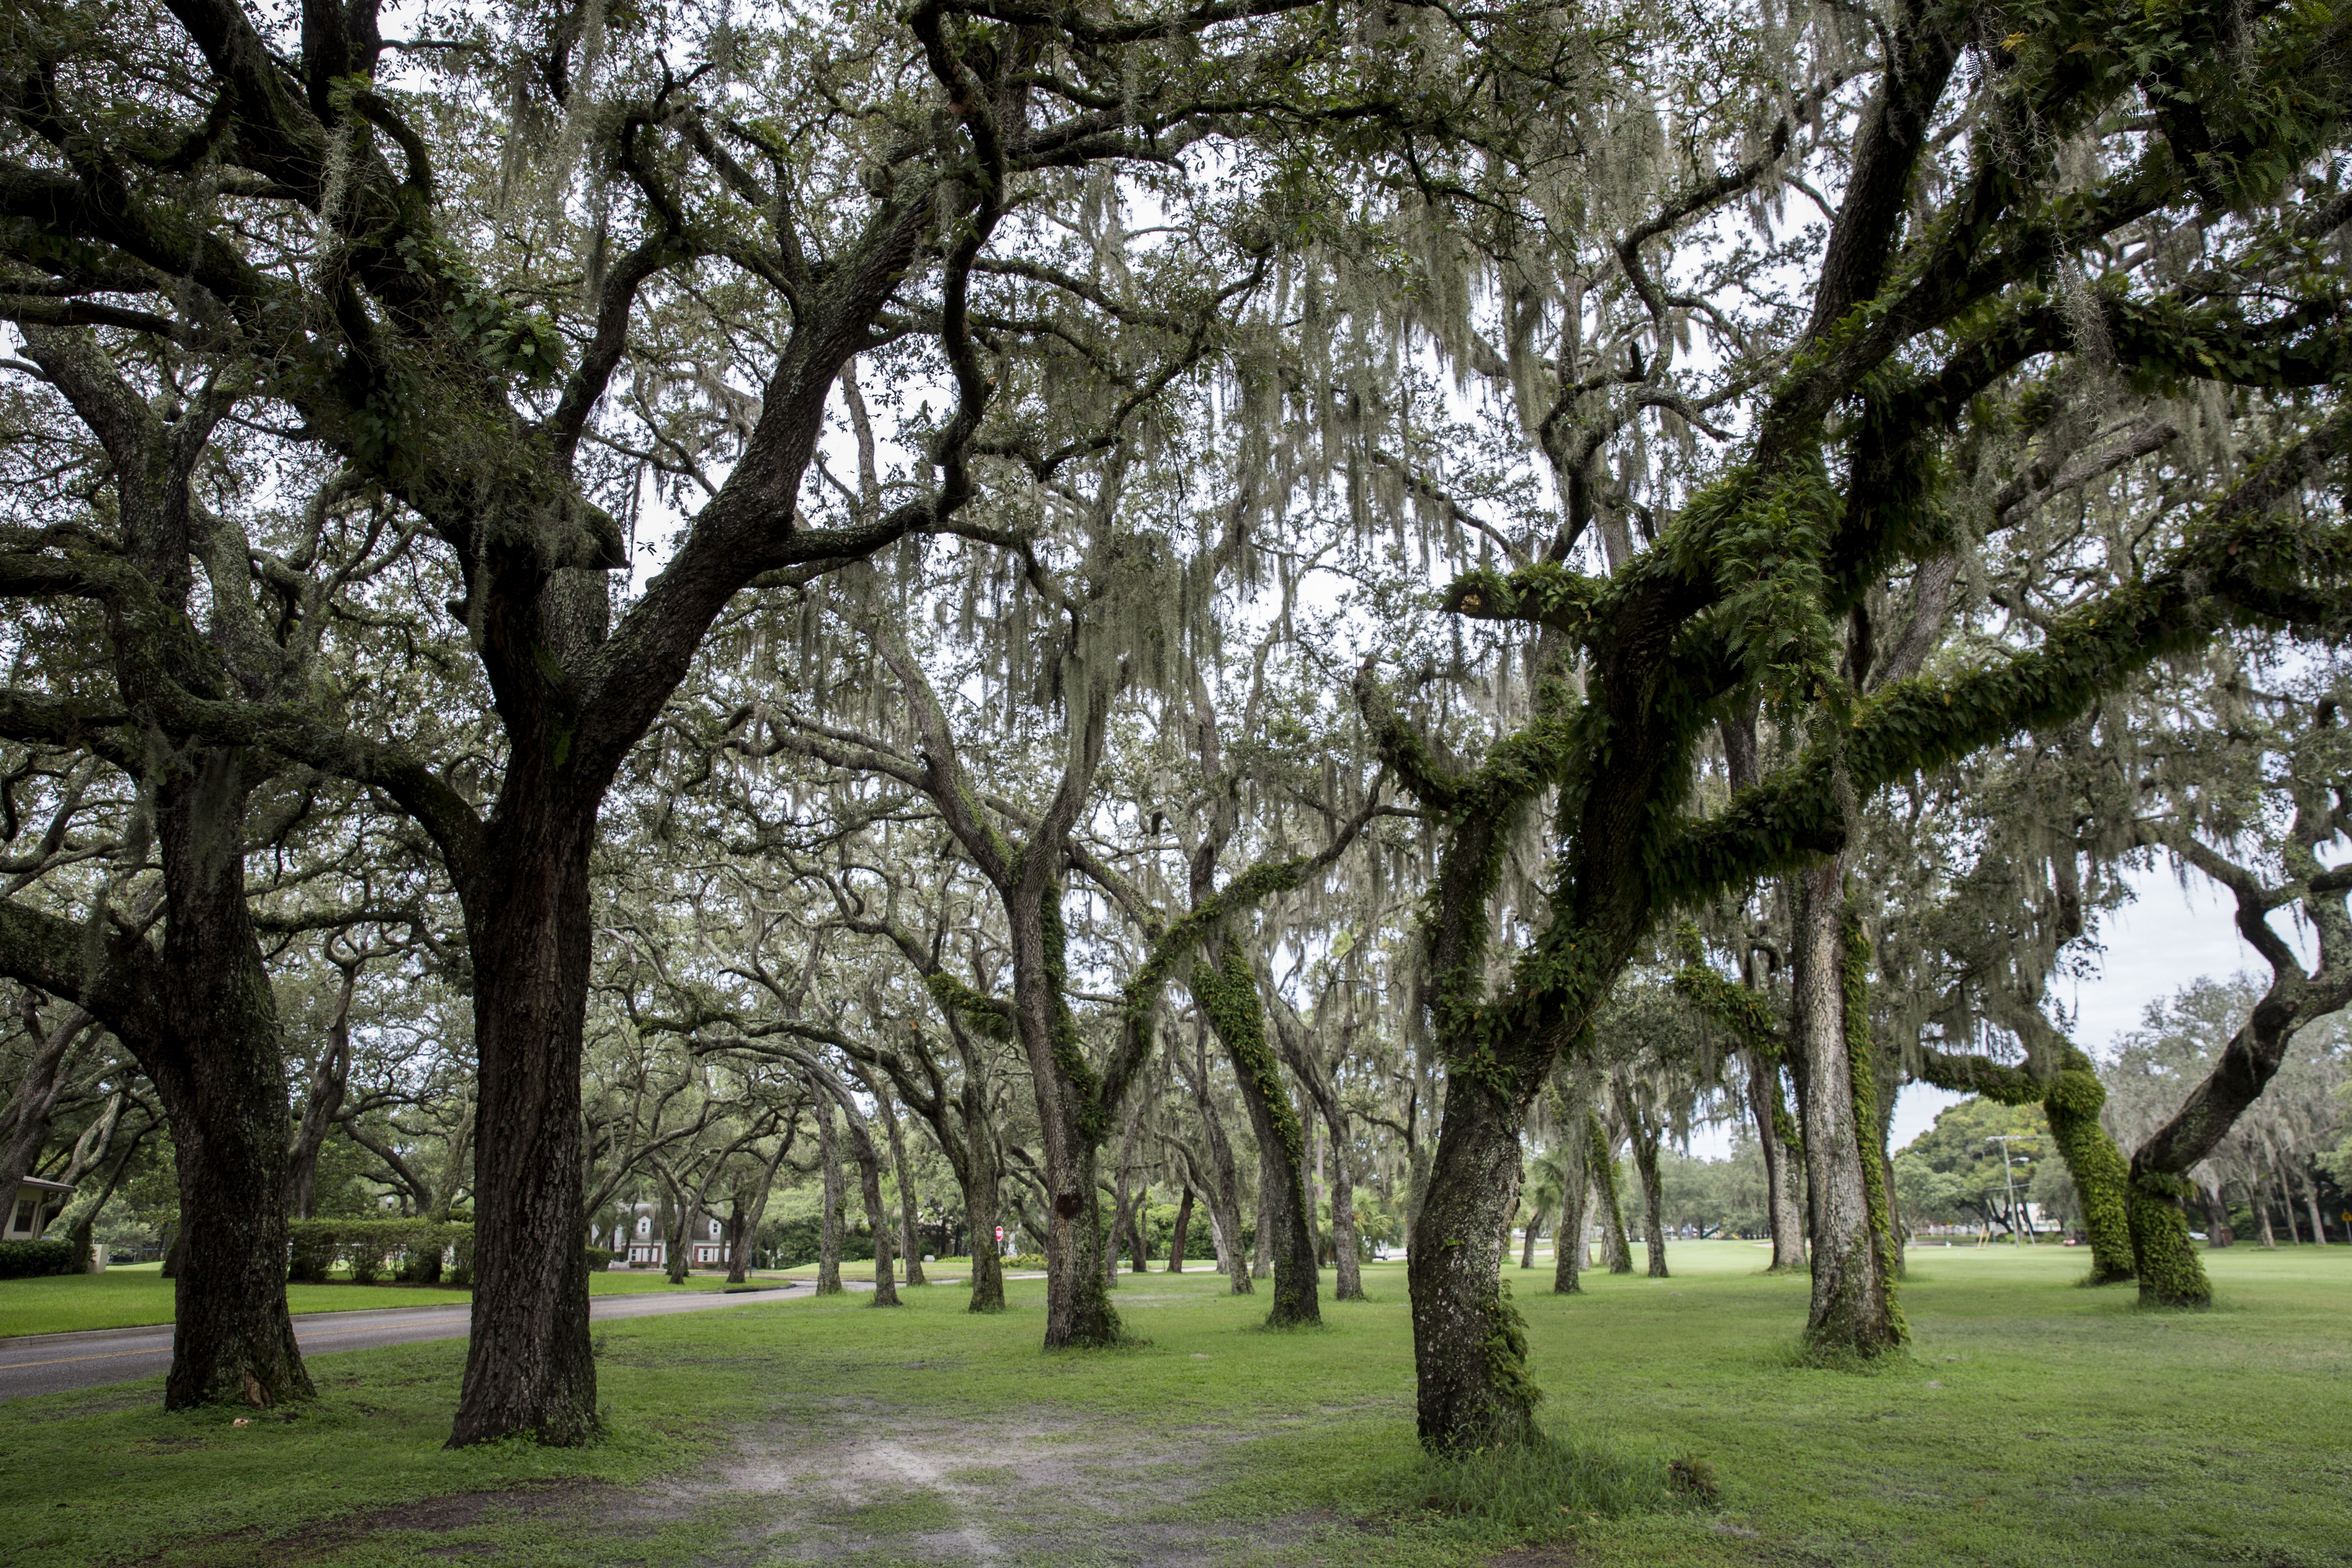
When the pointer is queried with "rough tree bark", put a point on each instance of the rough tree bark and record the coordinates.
(1644, 1140)
(1782, 1148)
(1568, 1241)
(828, 1143)
(911, 1236)
(1470, 1343)
(1599, 1151)
(1184, 1228)
(1228, 995)
(1224, 1185)
(1853, 1311)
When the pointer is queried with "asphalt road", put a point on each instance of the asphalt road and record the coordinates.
(53, 1364)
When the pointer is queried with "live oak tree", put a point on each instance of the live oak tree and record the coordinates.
(1757, 583)
(311, 208)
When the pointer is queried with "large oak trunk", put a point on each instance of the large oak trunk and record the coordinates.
(1853, 1311)
(1469, 1343)
(221, 1072)
(530, 1369)
(1078, 1312)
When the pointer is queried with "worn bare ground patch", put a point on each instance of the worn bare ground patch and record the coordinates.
(844, 1482)
(426, 1516)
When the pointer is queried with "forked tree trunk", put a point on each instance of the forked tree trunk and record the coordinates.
(1616, 1248)
(1469, 1343)
(329, 1077)
(1644, 1140)
(1854, 1310)
(221, 1073)
(1228, 993)
(1224, 1184)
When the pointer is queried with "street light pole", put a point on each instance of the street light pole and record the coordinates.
(2009, 1180)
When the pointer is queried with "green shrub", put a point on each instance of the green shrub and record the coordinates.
(413, 1249)
(30, 1259)
(599, 1259)
(795, 1242)
(1024, 1260)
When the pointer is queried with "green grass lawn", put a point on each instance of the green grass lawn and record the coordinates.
(940, 1269)
(138, 1293)
(2034, 1424)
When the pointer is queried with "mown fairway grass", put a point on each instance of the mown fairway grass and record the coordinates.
(138, 1294)
(2034, 1424)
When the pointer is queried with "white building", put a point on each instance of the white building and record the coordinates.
(32, 1204)
(638, 1243)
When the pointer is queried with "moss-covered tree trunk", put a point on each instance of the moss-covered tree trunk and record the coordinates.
(1778, 1140)
(1469, 1342)
(1600, 1154)
(1223, 1187)
(1568, 1241)
(911, 1235)
(1644, 1138)
(2102, 1176)
(982, 1202)
(1228, 995)
(1853, 1311)
(828, 1242)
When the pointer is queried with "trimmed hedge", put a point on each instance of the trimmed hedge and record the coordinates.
(414, 1251)
(418, 1251)
(32, 1259)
